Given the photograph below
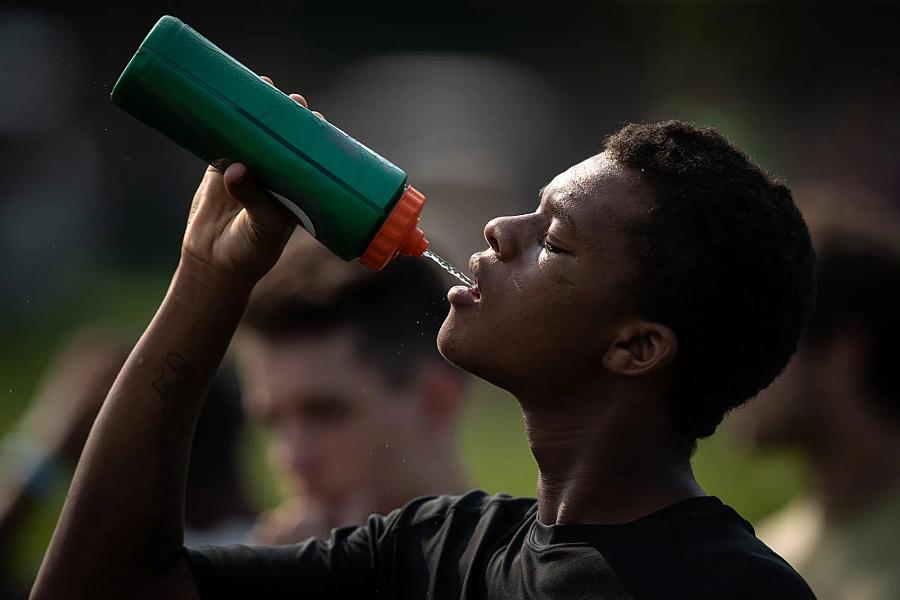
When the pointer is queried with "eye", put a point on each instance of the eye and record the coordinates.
(549, 247)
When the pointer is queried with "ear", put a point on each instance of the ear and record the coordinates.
(640, 348)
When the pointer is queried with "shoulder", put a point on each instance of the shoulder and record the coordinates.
(729, 561)
(475, 504)
(756, 573)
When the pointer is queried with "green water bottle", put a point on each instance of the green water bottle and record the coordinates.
(348, 197)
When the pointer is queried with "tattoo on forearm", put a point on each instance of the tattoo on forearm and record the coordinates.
(174, 382)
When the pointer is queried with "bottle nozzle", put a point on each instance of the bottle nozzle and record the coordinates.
(398, 233)
(414, 244)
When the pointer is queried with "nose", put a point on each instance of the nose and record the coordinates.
(296, 453)
(499, 236)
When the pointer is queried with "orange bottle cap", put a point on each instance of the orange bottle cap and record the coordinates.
(399, 233)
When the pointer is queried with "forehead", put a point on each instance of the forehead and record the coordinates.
(598, 193)
(297, 368)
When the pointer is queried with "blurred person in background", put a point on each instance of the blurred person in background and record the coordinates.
(339, 364)
(217, 509)
(44, 446)
(838, 403)
(47, 442)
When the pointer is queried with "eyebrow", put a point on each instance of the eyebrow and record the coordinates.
(557, 211)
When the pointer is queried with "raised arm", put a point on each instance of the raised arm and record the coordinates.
(120, 532)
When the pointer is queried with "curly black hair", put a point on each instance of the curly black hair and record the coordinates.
(726, 261)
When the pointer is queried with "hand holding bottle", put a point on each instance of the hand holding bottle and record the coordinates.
(350, 199)
(236, 230)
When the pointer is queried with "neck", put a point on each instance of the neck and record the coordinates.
(607, 458)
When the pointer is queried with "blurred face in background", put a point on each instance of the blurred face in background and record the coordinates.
(824, 389)
(338, 429)
(788, 412)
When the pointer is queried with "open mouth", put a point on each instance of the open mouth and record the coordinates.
(464, 295)
(467, 294)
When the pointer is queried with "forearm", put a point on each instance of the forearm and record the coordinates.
(121, 526)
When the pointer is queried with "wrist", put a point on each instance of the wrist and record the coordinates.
(200, 281)
(203, 297)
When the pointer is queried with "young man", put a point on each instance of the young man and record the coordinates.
(658, 284)
(339, 364)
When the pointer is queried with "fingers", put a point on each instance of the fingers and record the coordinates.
(299, 99)
(261, 207)
(302, 102)
(238, 182)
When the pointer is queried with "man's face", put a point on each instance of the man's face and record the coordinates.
(554, 284)
(337, 426)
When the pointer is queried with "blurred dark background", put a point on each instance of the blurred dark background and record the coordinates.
(481, 103)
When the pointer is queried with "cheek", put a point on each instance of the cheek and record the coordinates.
(534, 315)
(345, 458)
(347, 441)
(530, 334)
(544, 310)
(363, 439)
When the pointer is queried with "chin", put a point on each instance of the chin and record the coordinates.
(452, 342)
(472, 349)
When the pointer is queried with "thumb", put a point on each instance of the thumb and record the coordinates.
(261, 206)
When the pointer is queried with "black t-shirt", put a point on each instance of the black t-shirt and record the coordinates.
(478, 546)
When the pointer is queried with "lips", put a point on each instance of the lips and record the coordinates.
(462, 295)
(466, 295)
